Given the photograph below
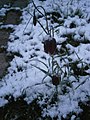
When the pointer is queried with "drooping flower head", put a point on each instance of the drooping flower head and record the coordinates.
(55, 80)
(49, 45)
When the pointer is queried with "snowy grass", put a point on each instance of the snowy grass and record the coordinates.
(23, 78)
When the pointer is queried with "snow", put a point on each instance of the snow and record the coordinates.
(24, 77)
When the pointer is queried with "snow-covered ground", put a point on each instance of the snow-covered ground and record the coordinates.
(26, 40)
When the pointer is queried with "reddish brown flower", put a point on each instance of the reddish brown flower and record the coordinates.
(55, 80)
(50, 45)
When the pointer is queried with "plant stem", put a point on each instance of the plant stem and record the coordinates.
(39, 24)
(36, 7)
(52, 63)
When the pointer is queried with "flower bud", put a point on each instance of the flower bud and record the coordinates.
(55, 80)
(34, 19)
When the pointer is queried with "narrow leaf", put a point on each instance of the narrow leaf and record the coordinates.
(47, 73)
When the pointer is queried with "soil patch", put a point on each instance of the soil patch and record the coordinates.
(14, 3)
(3, 64)
(12, 17)
(4, 36)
